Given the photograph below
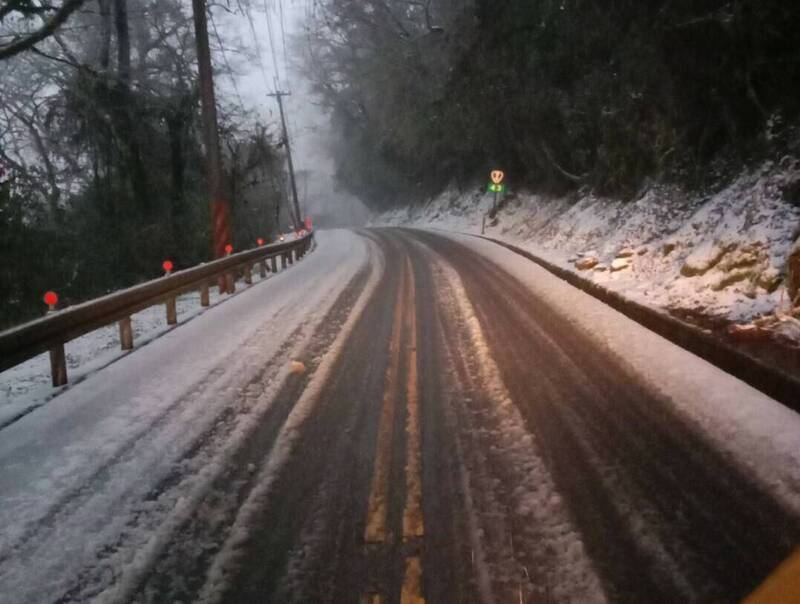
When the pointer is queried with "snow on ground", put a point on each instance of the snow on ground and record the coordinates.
(112, 438)
(721, 255)
(570, 573)
(27, 386)
(758, 433)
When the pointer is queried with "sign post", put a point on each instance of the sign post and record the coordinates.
(496, 185)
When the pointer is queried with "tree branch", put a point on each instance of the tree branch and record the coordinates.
(46, 30)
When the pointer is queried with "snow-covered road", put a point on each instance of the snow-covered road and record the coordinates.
(399, 414)
(88, 478)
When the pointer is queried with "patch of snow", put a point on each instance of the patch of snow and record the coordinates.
(681, 240)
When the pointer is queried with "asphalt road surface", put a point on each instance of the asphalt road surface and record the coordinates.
(466, 443)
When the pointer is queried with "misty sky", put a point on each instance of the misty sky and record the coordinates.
(308, 125)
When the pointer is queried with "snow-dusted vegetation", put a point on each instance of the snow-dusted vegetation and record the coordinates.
(724, 256)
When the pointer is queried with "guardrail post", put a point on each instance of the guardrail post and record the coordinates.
(126, 334)
(230, 280)
(283, 262)
(262, 267)
(172, 311)
(274, 263)
(248, 274)
(289, 257)
(58, 365)
(205, 298)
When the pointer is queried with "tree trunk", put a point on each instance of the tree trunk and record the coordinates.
(123, 42)
(220, 208)
(136, 172)
(104, 51)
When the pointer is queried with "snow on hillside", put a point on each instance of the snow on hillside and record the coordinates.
(721, 256)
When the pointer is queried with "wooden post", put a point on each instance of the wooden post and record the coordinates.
(230, 280)
(172, 311)
(126, 334)
(58, 366)
(205, 299)
(262, 267)
(274, 263)
(248, 274)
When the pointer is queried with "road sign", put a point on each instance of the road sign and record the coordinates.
(497, 176)
(496, 188)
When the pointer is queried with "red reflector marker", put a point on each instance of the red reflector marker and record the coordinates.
(51, 299)
(229, 249)
(260, 241)
(168, 266)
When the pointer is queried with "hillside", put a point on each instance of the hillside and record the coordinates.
(721, 260)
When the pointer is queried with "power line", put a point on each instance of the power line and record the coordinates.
(249, 15)
(272, 44)
(227, 63)
(283, 37)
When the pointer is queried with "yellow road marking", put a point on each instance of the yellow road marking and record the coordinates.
(413, 525)
(377, 510)
(412, 583)
(782, 586)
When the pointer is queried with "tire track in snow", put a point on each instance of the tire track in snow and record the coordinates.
(703, 528)
(229, 558)
(529, 545)
(110, 514)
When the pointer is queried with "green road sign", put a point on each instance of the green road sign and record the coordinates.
(497, 188)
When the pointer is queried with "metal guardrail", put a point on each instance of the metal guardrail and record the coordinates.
(51, 332)
(770, 380)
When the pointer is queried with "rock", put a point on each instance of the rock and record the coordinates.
(642, 251)
(298, 368)
(793, 274)
(705, 258)
(625, 252)
(731, 278)
(748, 332)
(749, 255)
(601, 268)
(765, 321)
(769, 279)
(584, 264)
(668, 248)
(620, 264)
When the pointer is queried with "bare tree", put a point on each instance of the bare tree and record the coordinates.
(52, 17)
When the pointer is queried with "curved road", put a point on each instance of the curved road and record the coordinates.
(451, 437)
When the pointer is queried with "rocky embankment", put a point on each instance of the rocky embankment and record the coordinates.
(727, 261)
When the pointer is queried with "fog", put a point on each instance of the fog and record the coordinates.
(309, 128)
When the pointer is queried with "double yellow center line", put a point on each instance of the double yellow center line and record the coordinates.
(375, 532)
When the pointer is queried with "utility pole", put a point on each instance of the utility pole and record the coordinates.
(220, 208)
(298, 217)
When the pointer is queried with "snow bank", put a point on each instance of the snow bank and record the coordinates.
(723, 255)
